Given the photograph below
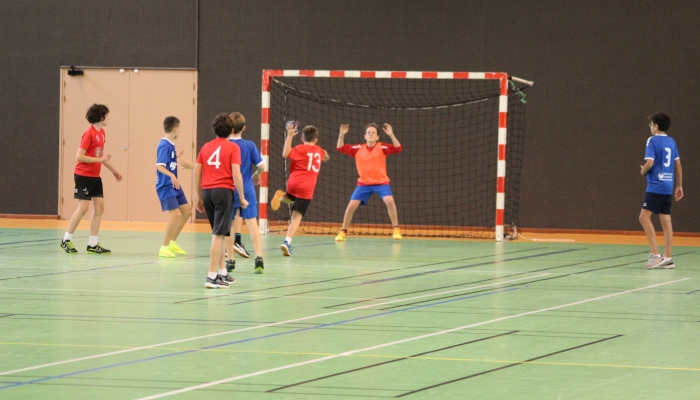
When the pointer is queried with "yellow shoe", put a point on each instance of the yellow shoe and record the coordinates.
(276, 200)
(340, 237)
(397, 234)
(165, 252)
(175, 248)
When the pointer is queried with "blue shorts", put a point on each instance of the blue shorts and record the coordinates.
(173, 203)
(657, 203)
(363, 193)
(246, 213)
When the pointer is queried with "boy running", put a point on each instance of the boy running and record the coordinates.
(662, 160)
(88, 184)
(216, 175)
(370, 159)
(304, 166)
(172, 197)
(249, 156)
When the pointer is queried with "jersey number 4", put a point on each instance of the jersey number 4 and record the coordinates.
(214, 158)
(314, 162)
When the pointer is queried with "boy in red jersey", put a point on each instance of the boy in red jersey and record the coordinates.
(216, 175)
(88, 184)
(305, 164)
(370, 159)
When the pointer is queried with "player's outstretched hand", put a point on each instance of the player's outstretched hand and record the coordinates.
(200, 205)
(244, 203)
(344, 128)
(679, 193)
(256, 179)
(176, 183)
(388, 129)
(292, 129)
(185, 162)
(117, 176)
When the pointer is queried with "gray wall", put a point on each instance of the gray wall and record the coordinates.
(600, 68)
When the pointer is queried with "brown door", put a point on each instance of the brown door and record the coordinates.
(138, 103)
(102, 86)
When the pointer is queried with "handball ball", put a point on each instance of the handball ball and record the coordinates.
(290, 123)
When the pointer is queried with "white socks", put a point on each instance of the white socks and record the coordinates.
(288, 240)
(92, 241)
(67, 236)
(211, 275)
(223, 272)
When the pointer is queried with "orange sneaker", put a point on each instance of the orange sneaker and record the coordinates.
(276, 200)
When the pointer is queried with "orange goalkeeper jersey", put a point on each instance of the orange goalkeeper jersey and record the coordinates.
(370, 162)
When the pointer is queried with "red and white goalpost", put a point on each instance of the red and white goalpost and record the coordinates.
(500, 152)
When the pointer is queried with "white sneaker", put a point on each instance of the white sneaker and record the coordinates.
(667, 263)
(654, 261)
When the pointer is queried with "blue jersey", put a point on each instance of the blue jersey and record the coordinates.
(250, 159)
(662, 149)
(167, 157)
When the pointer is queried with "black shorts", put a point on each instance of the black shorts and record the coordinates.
(657, 203)
(87, 187)
(218, 204)
(300, 204)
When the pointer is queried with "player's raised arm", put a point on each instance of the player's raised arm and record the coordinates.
(341, 137)
(292, 130)
(390, 132)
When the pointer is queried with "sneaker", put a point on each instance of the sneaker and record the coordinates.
(259, 267)
(276, 200)
(175, 248)
(165, 252)
(216, 283)
(340, 237)
(240, 250)
(97, 249)
(397, 234)
(666, 263)
(227, 278)
(654, 261)
(67, 245)
(286, 249)
(230, 265)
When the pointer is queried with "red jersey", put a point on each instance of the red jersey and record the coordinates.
(304, 166)
(216, 158)
(370, 162)
(93, 141)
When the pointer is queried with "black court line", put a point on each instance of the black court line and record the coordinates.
(346, 277)
(510, 285)
(694, 291)
(508, 366)
(479, 281)
(390, 361)
(405, 277)
(79, 270)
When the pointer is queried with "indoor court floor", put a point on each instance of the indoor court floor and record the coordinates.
(372, 318)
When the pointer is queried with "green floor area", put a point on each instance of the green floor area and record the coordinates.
(369, 318)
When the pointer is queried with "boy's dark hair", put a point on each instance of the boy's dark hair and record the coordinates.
(662, 120)
(375, 126)
(96, 113)
(238, 122)
(170, 123)
(310, 133)
(223, 125)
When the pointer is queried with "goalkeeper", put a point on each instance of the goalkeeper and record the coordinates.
(370, 159)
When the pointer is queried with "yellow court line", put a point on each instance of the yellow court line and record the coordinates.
(473, 360)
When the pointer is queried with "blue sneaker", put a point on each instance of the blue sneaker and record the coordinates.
(286, 249)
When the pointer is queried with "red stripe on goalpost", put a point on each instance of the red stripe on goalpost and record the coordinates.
(398, 74)
(502, 119)
(461, 75)
(499, 217)
(263, 180)
(337, 74)
(265, 117)
(501, 185)
(265, 147)
(263, 210)
(307, 72)
(429, 75)
(501, 152)
(368, 74)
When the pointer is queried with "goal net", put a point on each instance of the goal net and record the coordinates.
(462, 135)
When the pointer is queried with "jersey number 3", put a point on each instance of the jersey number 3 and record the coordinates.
(214, 158)
(668, 157)
(314, 162)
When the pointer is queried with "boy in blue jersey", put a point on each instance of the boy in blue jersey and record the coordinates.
(250, 156)
(172, 198)
(662, 160)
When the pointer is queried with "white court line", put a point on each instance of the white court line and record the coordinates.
(258, 326)
(351, 352)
